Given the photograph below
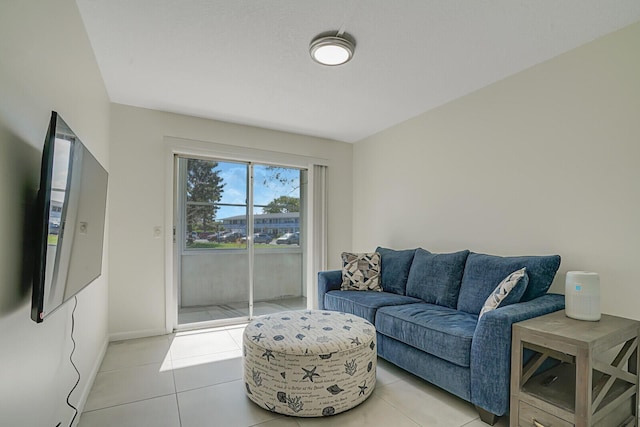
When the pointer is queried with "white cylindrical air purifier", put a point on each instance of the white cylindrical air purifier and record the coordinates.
(582, 295)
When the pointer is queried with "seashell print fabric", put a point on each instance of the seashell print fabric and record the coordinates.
(309, 363)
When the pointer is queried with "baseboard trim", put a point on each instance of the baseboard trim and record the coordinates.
(120, 336)
(88, 385)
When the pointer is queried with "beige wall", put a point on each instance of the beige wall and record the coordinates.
(137, 202)
(46, 63)
(546, 161)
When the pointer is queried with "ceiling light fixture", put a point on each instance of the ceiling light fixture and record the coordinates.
(332, 50)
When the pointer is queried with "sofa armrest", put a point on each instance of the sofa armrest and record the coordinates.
(329, 280)
(491, 350)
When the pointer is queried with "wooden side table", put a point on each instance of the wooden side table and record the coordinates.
(583, 380)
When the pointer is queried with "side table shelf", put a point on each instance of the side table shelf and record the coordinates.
(576, 373)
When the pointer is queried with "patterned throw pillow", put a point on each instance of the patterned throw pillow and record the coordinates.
(502, 291)
(361, 272)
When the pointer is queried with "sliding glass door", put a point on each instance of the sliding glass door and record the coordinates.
(240, 251)
(277, 240)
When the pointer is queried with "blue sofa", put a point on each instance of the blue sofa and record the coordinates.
(427, 323)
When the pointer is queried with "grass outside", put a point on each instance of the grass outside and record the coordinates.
(52, 239)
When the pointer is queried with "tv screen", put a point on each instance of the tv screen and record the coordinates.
(69, 220)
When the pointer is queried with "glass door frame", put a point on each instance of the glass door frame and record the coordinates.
(184, 147)
(180, 226)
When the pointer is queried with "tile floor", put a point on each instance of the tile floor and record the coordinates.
(194, 379)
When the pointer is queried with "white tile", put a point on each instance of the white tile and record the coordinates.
(283, 421)
(502, 422)
(211, 369)
(388, 373)
(128, 385)
(236, 334)
(427, 404)
(221, 405)
(200, 343)
(372, 412)
(137, 384)
(156, 412)
(123, 354)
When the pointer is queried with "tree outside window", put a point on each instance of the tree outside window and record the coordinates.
(204, 190)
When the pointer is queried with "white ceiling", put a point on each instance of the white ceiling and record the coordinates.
(247, 61)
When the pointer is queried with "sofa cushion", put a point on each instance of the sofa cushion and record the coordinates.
(363, 303)
(508, 291)
(361, 272)
(441, 331)
(482, 273)
(394, 269)
(435, 278)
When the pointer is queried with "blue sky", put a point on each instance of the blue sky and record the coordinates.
(234, 176)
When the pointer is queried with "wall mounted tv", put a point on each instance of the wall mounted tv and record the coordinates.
(69, 220)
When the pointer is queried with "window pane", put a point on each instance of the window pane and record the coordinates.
(234, 178)
(201, 225)
(233, 223)
(201, 219)
(277, 205)
(276, 189)
(211, 220)
(204, 181)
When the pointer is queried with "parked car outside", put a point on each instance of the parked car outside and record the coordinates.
(215, 237)
(222, 236)
(289, 239)
(260, 238)
(231, 237)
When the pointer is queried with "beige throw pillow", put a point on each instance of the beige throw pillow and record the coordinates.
(502, 291)
(361, 272)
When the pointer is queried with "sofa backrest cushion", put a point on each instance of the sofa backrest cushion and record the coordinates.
(482, 273)
(394, 269)
(435, 278)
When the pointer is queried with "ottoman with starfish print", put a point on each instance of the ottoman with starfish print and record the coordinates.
(309, 363)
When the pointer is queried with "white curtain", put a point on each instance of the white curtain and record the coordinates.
(319, 230)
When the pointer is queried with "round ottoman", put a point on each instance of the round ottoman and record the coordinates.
(309, 363)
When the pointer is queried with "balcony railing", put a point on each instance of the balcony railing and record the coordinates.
(221, 276)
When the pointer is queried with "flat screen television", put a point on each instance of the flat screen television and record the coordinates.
(69, 220)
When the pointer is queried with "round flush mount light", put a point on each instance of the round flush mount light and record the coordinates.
(332, 50)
